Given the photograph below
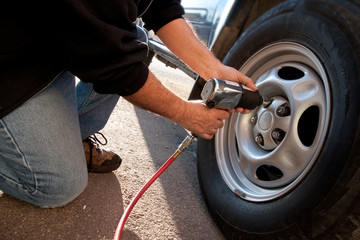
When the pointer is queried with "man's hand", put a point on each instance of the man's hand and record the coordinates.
(199, 119)
(192, 115)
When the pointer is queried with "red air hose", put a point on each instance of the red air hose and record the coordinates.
(187, 141)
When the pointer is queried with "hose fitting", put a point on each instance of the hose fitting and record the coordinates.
(186, 142)
(184, 145)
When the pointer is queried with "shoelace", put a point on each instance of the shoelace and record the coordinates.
(93, 140)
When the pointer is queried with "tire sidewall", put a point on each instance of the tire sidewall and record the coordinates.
(310, 24)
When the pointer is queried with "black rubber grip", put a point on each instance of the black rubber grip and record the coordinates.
(250, 99)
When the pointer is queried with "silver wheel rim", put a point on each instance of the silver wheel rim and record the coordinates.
(265, 154)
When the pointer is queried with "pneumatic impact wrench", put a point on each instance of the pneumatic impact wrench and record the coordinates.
(228, 95)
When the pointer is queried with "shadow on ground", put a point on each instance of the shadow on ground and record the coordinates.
(99, 209)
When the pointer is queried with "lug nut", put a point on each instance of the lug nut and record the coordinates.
(275, 134)
(283, 111)
(253, 119)
(278, 135)
(259, 139)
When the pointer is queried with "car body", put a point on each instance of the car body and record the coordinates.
(218, 23)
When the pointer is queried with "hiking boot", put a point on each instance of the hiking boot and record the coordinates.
(99, 160)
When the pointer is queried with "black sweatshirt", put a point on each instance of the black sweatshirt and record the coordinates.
(94, 39)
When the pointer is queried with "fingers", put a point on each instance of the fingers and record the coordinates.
(219, 124)
(203, 121)
(220, 114)
(209, 134)
(242, 110)
(248, 82)
(214, 125)
(232, 74)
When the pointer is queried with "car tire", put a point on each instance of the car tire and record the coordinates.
(304, 55)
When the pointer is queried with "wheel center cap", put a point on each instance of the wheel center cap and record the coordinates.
(266, 120)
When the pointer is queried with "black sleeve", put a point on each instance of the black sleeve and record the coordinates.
(162, 12)
(99, 40)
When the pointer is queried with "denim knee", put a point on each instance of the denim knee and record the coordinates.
(51, 195)
(60, 192)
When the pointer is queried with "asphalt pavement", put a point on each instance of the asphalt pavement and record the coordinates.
(172, 208)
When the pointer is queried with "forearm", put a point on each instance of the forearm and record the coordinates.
(155, 97)
(181, 40)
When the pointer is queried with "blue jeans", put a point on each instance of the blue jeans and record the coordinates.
(42, 158)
